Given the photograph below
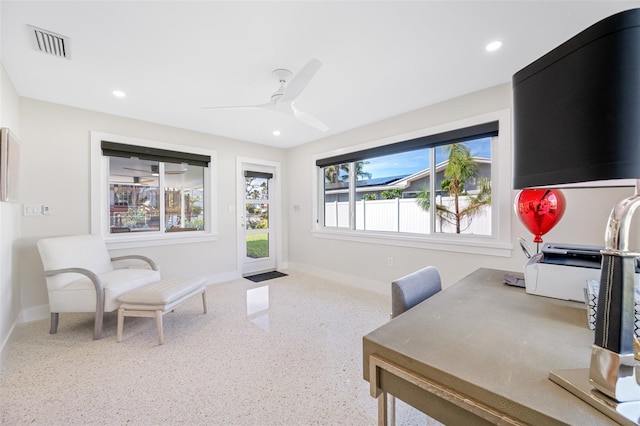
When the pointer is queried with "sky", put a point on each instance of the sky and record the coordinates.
(407, 163)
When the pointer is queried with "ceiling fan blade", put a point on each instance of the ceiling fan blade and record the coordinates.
(309, 119)
(133, 182)
(300, 80)
(150, 172)
(137, 170)
(267, 105)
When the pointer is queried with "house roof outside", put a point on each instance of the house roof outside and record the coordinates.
(392, 182)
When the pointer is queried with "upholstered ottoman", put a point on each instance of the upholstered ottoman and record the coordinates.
(156, 299)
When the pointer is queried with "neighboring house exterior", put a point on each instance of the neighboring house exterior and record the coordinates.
(410, 185)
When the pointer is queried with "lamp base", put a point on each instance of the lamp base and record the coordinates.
(577, 382)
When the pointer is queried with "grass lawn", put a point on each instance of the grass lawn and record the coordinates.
(258, 246)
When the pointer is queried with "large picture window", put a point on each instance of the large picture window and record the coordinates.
(146, 191)
(393, 192)
(437, 188)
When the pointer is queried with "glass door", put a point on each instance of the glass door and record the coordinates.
(257, 222)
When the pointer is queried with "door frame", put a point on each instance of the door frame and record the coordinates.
(275, 215)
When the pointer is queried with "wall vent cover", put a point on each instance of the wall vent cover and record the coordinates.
(49, 42)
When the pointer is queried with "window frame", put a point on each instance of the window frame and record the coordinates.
(100, 197)
(497, 244)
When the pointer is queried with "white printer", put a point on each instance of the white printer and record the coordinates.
(561, 271)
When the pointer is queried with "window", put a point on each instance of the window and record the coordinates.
(430, 188)
(150, 191)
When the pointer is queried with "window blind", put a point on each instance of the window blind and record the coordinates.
(458, 135)
(114, 149)
(249, 173)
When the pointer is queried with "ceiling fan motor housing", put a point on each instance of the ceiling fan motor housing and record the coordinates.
(282, 74)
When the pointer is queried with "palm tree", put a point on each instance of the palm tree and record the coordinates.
(460, 169)
(332, 173)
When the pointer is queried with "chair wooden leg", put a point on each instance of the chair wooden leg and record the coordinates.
(204, 300)
(97, 331)
(54, 323)
(159, 324)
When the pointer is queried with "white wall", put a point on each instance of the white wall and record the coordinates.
(55, 171)
(365, 265)
(55, 149)
(9, 223)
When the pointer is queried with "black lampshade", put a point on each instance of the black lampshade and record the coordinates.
(577, 108)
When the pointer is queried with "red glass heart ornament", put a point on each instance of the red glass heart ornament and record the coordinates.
(539, 210)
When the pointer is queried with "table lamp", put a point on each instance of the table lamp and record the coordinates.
(577, 124)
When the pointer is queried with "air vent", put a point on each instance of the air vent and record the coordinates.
(49, 42)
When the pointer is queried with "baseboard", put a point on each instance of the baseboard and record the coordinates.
(222, 277)
(6, 340)
(346, 279)
(25, 315)
(34, 313)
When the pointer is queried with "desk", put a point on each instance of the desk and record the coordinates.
(480, 352)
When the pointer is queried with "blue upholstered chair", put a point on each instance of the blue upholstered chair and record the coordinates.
(407, 292)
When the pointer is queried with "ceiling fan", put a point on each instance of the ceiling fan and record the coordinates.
(136, 180)
(155, 169)
(290, 88)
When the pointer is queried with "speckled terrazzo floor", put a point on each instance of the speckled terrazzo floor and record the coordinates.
(286, 351)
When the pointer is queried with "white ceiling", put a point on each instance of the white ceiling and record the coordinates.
(380, 59)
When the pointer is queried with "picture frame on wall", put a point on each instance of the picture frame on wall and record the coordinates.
(9, 162)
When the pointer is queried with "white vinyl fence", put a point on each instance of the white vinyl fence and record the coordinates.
(403, 215)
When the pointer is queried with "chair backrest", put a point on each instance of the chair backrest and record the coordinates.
(78, 251)
(408, 291)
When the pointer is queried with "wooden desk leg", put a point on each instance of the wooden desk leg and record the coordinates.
(392, 410)
(382, 409)
(376, 392)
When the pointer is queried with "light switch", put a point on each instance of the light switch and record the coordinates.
(31, 209)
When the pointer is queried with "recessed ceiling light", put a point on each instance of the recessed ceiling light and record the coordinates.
(493, 46)
(276, 133)
(119, 94)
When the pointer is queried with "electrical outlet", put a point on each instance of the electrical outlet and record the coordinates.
(389, 261)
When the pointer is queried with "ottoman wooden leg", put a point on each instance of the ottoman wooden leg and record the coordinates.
(159, 324)
(120, 323)
(204, 300)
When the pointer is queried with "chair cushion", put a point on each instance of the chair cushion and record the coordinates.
(116, 283)
(162, 292)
